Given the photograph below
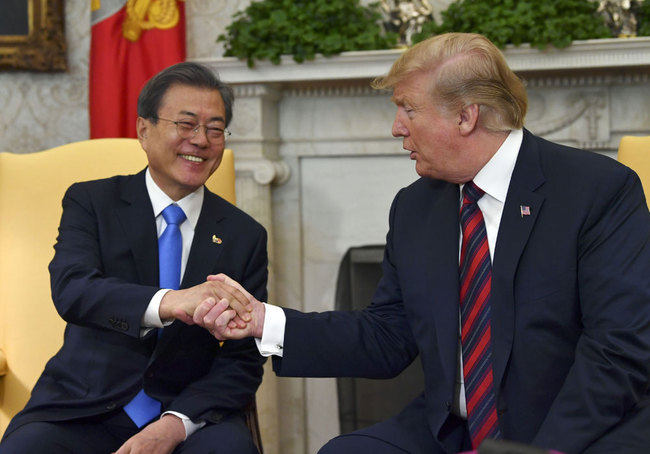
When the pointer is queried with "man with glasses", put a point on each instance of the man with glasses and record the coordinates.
(127, 378)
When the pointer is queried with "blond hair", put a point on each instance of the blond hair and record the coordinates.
(466, 68)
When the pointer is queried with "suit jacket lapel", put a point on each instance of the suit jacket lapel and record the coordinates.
(206, 245)
(514, 230)
(442, 279)
(136, 217)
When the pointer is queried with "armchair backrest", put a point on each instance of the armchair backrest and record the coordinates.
(634, 152)
(31, 189)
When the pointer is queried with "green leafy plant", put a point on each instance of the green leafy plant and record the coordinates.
(643, 19)
(538, 22)
(303, 28)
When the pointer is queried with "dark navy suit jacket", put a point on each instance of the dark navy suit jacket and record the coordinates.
(103, 275)
(570, 301)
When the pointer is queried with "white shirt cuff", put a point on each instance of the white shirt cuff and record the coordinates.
(272, 342)
(151, 317)
(190, 426)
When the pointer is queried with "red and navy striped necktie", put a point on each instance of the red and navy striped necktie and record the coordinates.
(475, 289)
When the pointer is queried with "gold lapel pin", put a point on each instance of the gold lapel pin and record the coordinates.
(216, 239)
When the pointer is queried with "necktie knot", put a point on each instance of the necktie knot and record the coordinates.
(472, 193)
(173, 214)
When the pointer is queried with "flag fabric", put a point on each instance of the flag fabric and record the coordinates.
(131, 40)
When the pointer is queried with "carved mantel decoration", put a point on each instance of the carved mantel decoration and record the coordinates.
(42, 45)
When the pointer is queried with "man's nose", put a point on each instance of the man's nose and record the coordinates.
(399, 130)
(200, 136)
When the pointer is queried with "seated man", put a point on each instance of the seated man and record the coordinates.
(517, 268)
(132, 250)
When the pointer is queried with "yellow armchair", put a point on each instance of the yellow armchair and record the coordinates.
(31, 190)
(634, 152)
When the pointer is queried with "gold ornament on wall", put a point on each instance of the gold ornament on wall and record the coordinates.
(147, 14)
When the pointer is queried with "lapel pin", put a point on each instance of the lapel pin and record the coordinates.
(216, 239)
(525, 210)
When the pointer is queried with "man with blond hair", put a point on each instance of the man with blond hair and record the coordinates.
(515, 267)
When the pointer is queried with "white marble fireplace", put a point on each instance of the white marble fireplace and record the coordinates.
(317, 165)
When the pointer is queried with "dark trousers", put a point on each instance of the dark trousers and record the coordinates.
(105, 434)
(406, 433)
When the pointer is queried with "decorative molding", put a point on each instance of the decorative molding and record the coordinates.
(366, 65)
(256, 90)
(584, 105)
(264, 171)
(582, 80)
(348, 65)
(338, 91)
(581, 55)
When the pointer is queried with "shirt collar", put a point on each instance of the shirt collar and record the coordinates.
(191, 204)
(494, 177)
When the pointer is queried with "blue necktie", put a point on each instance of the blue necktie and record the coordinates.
(170, 246)
(143, 408)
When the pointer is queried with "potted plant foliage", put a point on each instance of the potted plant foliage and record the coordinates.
(267, 29)
(540, 23)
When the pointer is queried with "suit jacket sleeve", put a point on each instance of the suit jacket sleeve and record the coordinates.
(93, 267)
(376, 342)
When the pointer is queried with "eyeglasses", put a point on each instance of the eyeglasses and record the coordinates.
(188, 129)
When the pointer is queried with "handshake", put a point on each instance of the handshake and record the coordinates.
(220, 305)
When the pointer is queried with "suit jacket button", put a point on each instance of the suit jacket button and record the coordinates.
(111, 406)
(448, 405)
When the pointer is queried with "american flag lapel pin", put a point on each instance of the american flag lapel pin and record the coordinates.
(524, 210)
(216, 239)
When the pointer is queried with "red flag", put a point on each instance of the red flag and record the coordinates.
(131, 40)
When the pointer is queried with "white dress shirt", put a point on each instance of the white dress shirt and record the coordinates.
(191, 205)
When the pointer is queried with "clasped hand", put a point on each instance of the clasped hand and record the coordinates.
(235, 316)
(182, 304)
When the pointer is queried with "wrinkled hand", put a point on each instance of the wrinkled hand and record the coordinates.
(159, 437)
(182, 304)
(223, 322)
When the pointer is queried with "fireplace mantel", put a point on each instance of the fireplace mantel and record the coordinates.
(595, 54)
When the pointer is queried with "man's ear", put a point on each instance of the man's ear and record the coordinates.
(142, 129)
(468, 119)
